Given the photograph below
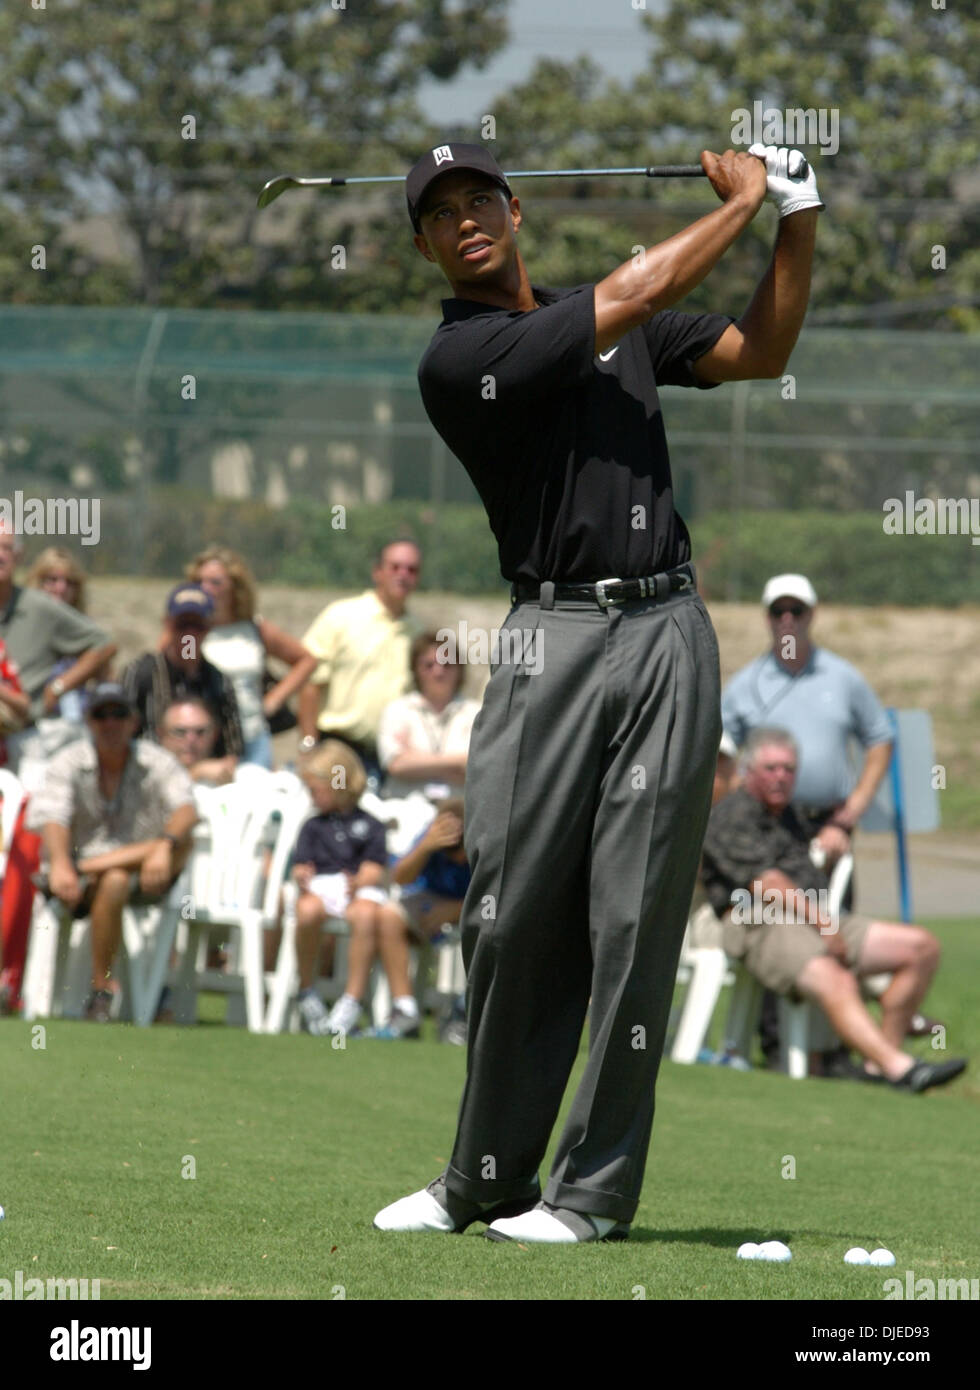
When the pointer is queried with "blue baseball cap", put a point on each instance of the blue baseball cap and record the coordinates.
(190, 598)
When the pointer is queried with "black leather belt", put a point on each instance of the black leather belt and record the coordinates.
(608, 591)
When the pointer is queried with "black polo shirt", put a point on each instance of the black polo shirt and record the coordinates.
(341, 841)
(744, 839)
(567, 450)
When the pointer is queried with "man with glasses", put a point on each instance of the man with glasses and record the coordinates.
(362, 645)
(187, 729)
(115, 815)
(757, 849)
(826, 704)
(179, 670)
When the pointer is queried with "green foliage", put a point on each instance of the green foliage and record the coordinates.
(169, 118)
(849, 558)
(92, 109)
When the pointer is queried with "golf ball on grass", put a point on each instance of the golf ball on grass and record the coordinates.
(881, 1257)
(748, 1251)
(857, 1256)
(775, 1250)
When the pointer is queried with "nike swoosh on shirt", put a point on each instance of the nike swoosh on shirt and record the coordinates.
(605, 356)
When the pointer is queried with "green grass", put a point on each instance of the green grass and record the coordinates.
(296, 1145)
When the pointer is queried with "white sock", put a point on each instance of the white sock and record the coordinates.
(406, 1004)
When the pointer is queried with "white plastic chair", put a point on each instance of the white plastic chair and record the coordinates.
(708, 969)
(236, 873)
(57, 974)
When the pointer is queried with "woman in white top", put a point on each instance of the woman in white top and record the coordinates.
(424, 737)
(240, 643)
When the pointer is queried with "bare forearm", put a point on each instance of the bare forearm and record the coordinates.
(308, 707)
(772, 322)
(294, 679)
(411, 865)
(876, 764)
(87, 665)
(132, 856)
(125, 857)
(411, 764)
(775, 888)
(17, 700)
(57, 842)
(218, 770)
(181, 822)
(665, 273)
(369, 875)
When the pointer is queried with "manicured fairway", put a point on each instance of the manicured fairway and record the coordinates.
(296, 1145)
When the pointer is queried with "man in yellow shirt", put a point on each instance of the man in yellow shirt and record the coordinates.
(362, 645)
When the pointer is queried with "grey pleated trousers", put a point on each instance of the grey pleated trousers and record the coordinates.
(588, 788)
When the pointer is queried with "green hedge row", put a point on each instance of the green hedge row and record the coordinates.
(849, 558)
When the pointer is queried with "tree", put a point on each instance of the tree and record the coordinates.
(167, 117)
(903, 78)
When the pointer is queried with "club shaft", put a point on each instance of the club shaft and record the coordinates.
(656, 171)
(278, 185)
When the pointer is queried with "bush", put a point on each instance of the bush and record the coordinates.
(848, 557)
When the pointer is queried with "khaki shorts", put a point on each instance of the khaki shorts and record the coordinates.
(415, 908)
(776, 954)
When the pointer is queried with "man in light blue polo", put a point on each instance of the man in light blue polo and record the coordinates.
(824, 702)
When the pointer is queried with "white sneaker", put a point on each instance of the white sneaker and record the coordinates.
(313, 1013)
(344, 1015)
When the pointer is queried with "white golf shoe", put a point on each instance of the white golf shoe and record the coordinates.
(435, 1208)
(419, 1212)
(545, 1225)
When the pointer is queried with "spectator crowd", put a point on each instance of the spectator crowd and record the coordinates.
(110, 760)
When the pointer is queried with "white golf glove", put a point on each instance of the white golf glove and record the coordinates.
(787, 189)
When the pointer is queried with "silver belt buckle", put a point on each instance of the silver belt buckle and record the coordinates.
(600, 592)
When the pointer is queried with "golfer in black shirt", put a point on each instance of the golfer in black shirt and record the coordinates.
(590, 768)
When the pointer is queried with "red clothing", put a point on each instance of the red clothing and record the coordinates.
(23, 859)
(10, 675)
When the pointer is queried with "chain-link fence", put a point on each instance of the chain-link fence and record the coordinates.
(275, 408)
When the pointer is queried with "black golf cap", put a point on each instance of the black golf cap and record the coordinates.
(443, 159)
(109, 693)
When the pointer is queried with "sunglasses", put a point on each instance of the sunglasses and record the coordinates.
(797, 610)
(110, 712)
(182, 731)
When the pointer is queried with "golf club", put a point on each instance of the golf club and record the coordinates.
(276, 186)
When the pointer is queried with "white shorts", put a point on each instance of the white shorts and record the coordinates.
(333, 892)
